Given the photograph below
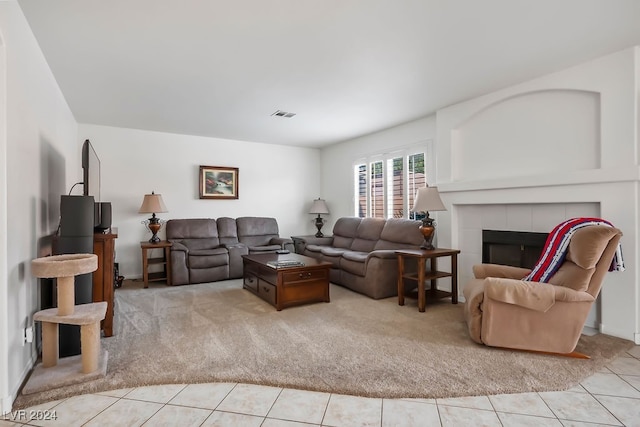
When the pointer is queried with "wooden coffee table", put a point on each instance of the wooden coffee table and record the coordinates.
(286, 286)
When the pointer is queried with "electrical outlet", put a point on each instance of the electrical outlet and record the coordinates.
(28, 335)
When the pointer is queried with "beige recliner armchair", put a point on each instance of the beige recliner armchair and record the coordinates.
(502, 310)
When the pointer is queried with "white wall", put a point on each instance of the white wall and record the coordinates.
(274, 180)
(337, 159)
(590, 157)
(39, 153)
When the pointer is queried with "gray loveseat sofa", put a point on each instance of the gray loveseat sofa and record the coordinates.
(208, 250)
(362, 255)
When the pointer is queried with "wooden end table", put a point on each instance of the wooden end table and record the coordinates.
(164, 261)
(421, 256)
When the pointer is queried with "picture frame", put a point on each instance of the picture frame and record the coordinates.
(218, 182)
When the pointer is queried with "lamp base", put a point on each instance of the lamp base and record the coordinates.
(154, 226)
(319, 224)
(428, 230)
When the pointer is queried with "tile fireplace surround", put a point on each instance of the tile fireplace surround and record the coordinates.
(530, 156)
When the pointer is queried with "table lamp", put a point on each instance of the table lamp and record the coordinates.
(428, 199)
(319, 207)
(153, 203)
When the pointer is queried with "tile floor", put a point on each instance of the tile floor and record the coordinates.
(610, 397)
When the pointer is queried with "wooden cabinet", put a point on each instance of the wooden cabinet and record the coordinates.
(104, 277)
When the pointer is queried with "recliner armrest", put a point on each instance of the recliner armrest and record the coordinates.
(383, 253)
(532, 295)
(320, 241)
(241, 247)
(179, 247)
(280, 240)
(481, 271)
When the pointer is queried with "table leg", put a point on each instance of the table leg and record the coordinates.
(145, 268)
(434, 282)
(421, 291)
(400, 280)
(167, 265)
(454, 279)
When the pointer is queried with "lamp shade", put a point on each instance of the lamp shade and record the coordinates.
(428, 199)
(152, 203)
(319, 206)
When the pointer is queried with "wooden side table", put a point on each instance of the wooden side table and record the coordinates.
(421, 256)
(164, 261)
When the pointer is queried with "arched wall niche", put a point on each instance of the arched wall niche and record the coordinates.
(532, 133)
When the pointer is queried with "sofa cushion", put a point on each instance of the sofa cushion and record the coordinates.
(195, 233)
(356, 256)
(344, 230)
(332, 255)
(367, 234)
(588, 243)
(256, 231)
(585, 249)
(571, 275)
(315, 248)
(329, 251)
(200, 244)
(399, 234)
(193, 228)
(227, 231)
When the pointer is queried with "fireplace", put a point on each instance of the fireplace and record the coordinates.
(515, 248)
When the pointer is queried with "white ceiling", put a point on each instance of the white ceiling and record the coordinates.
(346, 67)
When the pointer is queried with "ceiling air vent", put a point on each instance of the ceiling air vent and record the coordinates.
(281, 113)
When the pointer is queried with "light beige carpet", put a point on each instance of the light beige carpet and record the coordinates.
(352, 345)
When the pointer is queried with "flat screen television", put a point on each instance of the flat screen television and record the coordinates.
(91, 182)
(90, 171)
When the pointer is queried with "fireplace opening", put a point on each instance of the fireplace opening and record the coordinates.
(514, 248)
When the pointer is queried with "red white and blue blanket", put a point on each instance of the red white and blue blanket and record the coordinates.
(557, 244)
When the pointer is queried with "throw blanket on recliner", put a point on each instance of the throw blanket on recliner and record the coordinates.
(555, 249)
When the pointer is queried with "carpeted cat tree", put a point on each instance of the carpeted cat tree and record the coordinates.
(92, 362)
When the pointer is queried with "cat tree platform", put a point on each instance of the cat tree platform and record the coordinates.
(92, 362)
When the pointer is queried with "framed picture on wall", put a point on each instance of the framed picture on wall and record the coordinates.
(218, 182)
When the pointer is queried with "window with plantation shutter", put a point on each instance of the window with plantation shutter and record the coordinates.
(385, 185)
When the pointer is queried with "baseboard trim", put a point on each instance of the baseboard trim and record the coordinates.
(5, 404)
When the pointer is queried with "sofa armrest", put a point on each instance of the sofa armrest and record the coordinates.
(320, 241)
(532, 295)
(481, 271)
(179, 247)
(383, 253)
(280, 241)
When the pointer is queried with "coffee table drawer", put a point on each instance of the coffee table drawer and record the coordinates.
(267, 291)
(250, 281)
(295, 277)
